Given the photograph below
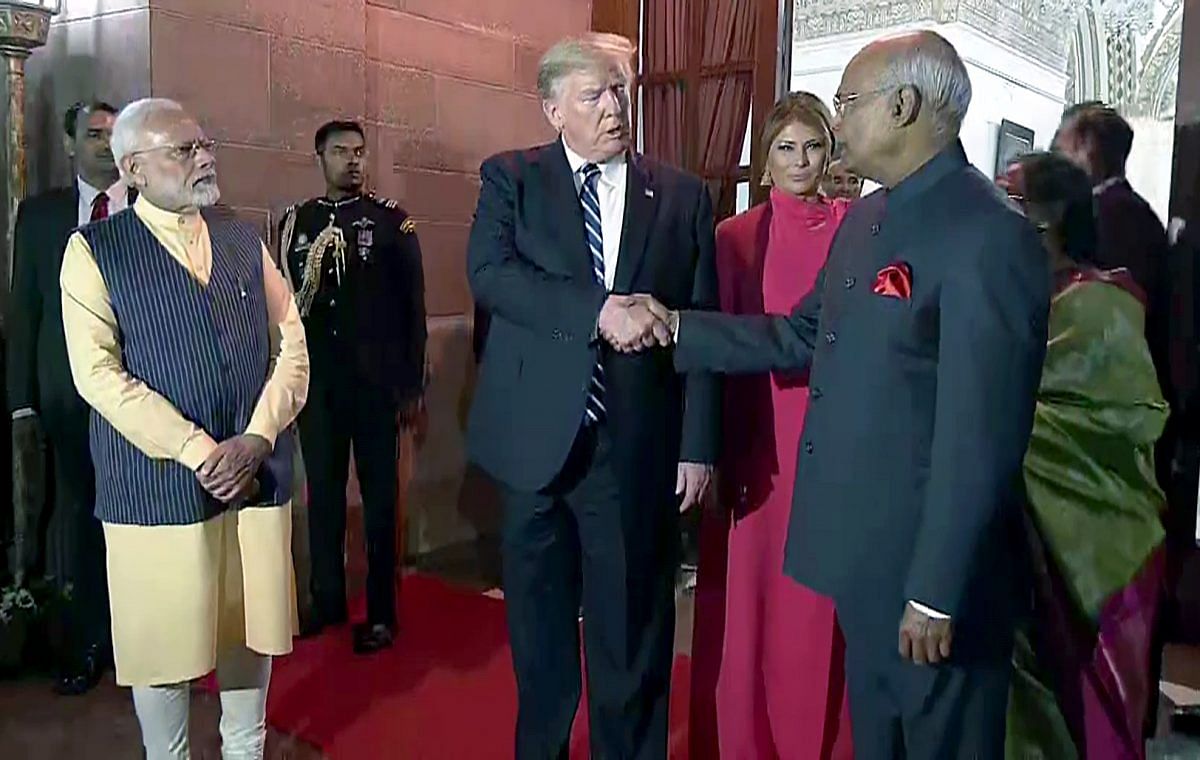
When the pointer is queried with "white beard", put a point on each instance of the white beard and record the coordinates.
(206, 195)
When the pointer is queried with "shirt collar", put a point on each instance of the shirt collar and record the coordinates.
(89, 192)
(340, 202)
(609, 169)
(163, 218)
(1106, 184)
(949, 160)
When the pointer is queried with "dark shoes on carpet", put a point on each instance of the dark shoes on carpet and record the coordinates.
(84, 674)
(316, 624)
(371, 638)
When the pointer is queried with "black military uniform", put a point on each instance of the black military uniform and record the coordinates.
(355, 265)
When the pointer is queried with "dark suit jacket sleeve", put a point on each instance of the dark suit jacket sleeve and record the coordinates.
(991, 347)
(410, 297)
(509, 285)
(25, 315)
(1130, 235)
(702, 413)
(733, 344)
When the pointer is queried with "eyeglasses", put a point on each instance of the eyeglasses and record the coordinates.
(181, 152)
(843, 101)
(1023, 203)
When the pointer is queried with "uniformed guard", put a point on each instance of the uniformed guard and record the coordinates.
(355, 264)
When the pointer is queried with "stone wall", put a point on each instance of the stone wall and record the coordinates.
(440, 85)
(98, 49)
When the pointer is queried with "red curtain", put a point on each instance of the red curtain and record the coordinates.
(665, 51)
(694, 40)
(729, 28)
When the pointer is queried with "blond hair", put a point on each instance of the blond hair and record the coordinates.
(798, 107)
(588, 52)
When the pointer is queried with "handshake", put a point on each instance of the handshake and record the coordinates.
(634, 323)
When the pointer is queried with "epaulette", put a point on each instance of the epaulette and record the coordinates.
(387, 203)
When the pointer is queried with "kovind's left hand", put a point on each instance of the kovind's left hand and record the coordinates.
(924, 640)
(229, 471)
(410, 412)
(692, 483)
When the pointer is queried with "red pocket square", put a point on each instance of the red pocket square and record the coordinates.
(894, 281)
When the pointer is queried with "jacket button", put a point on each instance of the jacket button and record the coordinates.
(831, 337)
(850, 282)
(816, 394)
(808, 447)
(557, 335)
(874, 229)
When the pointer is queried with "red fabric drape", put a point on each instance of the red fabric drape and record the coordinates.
(679, 41)
(665, 50)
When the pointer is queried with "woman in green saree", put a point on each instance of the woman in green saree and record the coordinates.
(1081, 683)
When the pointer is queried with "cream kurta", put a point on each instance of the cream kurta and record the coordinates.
(181, 592)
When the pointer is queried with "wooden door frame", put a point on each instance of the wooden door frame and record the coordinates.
(772, 78)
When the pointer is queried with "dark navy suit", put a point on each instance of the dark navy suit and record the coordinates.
(920, 413)
(589, 512)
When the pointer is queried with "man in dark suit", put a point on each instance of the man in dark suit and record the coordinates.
(41, 394)
(924, 337)
(591, 447)
(1097, 139)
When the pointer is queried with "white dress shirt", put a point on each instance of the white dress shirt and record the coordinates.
(611, 189)
(118, 198)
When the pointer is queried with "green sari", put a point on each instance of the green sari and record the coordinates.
(1093, 512)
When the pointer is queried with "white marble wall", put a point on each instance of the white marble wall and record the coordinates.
(1006, 84)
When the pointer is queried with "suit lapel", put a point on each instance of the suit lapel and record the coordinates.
(641, 201)
(68, 211)
(564, 205)
(69, 208)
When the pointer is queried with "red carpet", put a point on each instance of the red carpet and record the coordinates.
(444, 692)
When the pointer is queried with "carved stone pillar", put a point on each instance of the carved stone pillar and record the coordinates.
(23, 27)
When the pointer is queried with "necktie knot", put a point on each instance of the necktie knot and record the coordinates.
(100, 207)
(590, 173)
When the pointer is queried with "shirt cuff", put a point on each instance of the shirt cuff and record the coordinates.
(260, 430)
(196, 451)
(928, 611)
(23, 412)
(675, 329)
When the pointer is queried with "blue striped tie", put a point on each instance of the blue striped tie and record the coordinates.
(595, 238)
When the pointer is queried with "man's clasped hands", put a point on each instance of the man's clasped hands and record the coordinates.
(636, 322)
(228, 474)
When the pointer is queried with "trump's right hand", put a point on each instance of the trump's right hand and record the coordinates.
(633, 323)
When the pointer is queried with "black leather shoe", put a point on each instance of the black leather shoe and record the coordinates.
(312, 627)
(371, 638)
(316, 625)
(88, 671)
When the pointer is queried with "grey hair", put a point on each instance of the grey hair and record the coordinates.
(932, 66)
(131, 124)
(589, 52)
